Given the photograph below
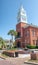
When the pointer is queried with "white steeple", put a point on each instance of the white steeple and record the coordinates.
(22, 15)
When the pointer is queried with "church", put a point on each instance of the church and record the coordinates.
(27, 34)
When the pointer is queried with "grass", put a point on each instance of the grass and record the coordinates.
(13, 48)
(4, 56)
(33, 61)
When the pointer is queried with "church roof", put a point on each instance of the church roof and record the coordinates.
(35, 26)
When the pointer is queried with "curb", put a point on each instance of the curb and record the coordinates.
(30, 63)
(2, 58)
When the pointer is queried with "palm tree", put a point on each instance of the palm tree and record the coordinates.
(12, 33)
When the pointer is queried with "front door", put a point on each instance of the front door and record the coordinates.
(36, 42)
(18, 44)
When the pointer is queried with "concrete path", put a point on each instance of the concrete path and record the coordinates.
(24, 55)
(5, 62)
(14, 61)
(17, 61)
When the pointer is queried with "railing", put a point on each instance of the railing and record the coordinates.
(17, 37)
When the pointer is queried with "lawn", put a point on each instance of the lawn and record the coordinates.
(13, 48)
(36, 61)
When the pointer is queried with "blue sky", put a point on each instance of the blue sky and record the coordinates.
(8, 14)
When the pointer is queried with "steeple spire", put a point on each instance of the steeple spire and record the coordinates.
(22, 15)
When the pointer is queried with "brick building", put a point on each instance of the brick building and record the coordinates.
(27, 34)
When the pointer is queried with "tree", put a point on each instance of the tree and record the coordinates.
(2, 43)
(12, 33)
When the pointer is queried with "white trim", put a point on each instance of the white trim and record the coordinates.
(18, 38)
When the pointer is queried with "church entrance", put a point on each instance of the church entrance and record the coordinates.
(18, 44)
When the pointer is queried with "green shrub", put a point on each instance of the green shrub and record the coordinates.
(0, 48)
(31, 47)
(37, 47)
(13, 48)
(7, 45)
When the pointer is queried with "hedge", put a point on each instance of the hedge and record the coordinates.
(32, 47)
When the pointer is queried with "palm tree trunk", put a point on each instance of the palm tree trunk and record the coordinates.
(10, 44)
(12, 40)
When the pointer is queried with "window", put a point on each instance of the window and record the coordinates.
(33, 32)
(27, 33)
(28, 41)
(25, 41)
(34, 42)
(23, 12)
(23, 18)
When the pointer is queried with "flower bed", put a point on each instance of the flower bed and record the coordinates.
(9, 53)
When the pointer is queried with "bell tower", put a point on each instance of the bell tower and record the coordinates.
(21, 20)
(21, 23)
(21, 16)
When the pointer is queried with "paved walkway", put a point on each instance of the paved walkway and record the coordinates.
(14, 61)
(17, 61)
(8, 63)
(5, 62)
(24, 55)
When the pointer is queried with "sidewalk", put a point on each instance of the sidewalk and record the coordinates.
(33, 63)
(24, 56)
